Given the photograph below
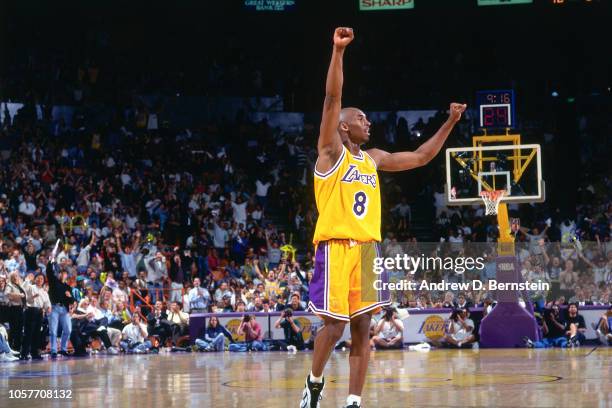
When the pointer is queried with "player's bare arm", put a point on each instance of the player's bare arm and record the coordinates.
(329, 146)
(400, 161)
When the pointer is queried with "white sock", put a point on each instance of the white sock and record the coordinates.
(352, 399)
(315, 379)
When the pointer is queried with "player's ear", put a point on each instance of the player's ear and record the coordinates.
(343, 126)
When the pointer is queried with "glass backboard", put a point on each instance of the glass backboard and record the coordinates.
(517, 169)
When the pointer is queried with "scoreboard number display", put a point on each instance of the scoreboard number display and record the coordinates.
(495, 109)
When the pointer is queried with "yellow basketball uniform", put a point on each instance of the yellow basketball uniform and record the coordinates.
(348, 200)
(346, 238)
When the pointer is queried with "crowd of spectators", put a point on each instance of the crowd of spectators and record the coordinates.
(147, 214)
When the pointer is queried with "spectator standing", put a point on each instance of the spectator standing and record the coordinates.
(17, 301)
(177, 277)
(261, 191)
(37, 305)
(4, 299)
(239, 211)
(158, 272)
(128, 254)
(199, 297)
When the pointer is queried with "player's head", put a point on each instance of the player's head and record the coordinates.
(354, 126)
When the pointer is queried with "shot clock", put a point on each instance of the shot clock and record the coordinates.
(495, 109)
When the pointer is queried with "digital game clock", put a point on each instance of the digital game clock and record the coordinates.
(495, 109)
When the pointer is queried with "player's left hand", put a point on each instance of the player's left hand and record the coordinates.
(455, 111)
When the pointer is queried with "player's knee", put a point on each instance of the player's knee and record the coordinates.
(336, 329)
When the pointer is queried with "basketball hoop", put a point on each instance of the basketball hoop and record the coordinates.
(491, 200)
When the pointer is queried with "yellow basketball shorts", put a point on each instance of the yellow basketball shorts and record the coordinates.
(344, 282)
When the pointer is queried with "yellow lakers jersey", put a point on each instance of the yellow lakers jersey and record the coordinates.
(348, 199)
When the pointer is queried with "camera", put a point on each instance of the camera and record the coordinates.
(455, 315)
(288, 312)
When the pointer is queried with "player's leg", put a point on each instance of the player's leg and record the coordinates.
(364, 300)
(329, 300)
(324, 344)
(359, 356)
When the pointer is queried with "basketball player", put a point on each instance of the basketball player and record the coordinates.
(347, 193)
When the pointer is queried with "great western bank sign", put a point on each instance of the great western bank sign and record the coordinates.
(370, 5)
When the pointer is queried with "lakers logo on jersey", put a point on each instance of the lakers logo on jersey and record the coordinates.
(353, 175)
(348, 199)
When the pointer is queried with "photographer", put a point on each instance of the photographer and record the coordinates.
(460, 328)
(293, 330)
(553, 328)
(389, 332)
(252, 333)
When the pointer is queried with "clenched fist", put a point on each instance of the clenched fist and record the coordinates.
(455, 111)
(343, 36)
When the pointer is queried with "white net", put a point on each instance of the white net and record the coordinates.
(491, 200)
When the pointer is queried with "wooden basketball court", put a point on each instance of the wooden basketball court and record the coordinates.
(440, 378)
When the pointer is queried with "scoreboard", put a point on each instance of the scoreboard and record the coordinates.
(496, 109)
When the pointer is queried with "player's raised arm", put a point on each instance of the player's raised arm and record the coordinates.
(408, 160)
(329, 145)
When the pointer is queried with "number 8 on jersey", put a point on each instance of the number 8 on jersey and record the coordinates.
(348, 199)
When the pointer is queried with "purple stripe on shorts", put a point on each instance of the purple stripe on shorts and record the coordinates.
(318, 284)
